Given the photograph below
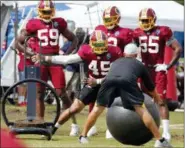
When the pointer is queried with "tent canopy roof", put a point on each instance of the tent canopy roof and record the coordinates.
(168, 13)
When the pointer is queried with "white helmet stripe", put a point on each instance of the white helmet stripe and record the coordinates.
(108, 11)
(47, 3)
(99, 35)
(144, 13)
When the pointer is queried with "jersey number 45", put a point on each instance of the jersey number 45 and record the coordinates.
(99, 67)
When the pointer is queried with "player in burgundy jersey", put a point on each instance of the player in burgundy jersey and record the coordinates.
(117, 36)
(152, 40)
(99, 57)
(47, 29)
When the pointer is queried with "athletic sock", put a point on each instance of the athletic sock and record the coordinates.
(165, 124)
(20, 99)
(57, 125)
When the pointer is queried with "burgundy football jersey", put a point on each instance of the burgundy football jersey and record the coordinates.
(98, 66)
(47, 33)
(152, 43)
(118, 36)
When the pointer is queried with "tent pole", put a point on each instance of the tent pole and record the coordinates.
(15, 31)
(89, 17)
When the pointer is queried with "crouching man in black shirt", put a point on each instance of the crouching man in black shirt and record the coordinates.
(121, 80)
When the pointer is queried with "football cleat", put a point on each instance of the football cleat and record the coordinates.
(108, 135)
(83, 140)
(93, 131)
(167, 136)
(74, 130)
(164, 144)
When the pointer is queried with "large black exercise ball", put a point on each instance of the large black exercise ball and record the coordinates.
(126, 126)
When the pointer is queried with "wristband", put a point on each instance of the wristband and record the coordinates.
(98, 81)
(46, 58)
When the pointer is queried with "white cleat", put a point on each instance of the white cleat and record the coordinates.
(74, 130)
(167, 136)
(164, 144)
(108, 134)
(83, 140)
(93, 131)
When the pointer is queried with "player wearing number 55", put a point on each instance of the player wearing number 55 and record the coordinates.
(46, 29)
(152, 40)
(99, 56)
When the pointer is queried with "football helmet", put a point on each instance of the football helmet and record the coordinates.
(46, 10)
(111, 17)
(99, 42)
(147, 19)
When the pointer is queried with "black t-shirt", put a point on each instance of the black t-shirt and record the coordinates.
(130, 69)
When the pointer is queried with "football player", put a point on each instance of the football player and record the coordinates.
(152, 40)
(47, 29)
(99, 57)
(117, 36)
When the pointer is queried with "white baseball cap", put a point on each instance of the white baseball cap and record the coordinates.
(131, 48)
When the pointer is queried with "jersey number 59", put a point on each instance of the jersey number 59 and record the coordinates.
(50, 39)
(103, 70)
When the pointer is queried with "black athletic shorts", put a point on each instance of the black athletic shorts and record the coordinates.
(117, 87)
(88, 94)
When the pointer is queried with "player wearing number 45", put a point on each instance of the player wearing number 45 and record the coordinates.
(47, 29)
(152, 40)
(99, 57)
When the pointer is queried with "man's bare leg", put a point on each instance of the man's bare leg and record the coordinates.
(76, 107)
(92, 117)
(148, 121)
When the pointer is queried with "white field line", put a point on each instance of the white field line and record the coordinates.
(176, 126)
(179, 110)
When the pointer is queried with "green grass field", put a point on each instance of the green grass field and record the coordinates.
(61, 138)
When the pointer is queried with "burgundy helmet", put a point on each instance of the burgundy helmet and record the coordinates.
(111, 17)
(99, 42)
(147, 19)
(46, 10)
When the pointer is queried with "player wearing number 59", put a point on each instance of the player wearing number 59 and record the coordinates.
(99, 57)
(152, 40)
(47, 29)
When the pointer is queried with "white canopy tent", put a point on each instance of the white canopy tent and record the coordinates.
(168, 13)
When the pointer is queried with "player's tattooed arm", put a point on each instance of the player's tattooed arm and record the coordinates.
(20, 43)
(71, 37)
